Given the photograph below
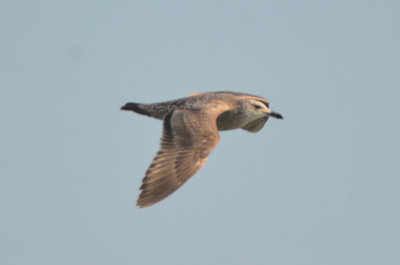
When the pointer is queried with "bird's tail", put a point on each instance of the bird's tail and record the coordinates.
(136, 107)
(158, 110)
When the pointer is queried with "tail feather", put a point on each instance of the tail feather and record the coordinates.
(156, 110)
(135, 107)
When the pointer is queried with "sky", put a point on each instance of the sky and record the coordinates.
(319, 187)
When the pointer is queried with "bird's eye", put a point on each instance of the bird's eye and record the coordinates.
(257, 106)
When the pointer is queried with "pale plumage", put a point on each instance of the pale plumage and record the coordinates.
(190, 133)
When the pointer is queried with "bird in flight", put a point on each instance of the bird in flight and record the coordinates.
(190, 133)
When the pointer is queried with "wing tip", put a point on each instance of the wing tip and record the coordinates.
(140, 205)
(143, 202)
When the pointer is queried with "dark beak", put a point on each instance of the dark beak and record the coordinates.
(276, 115)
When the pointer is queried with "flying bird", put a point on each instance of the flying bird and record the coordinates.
(190, 133)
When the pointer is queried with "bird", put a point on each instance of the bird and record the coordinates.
(190, 133)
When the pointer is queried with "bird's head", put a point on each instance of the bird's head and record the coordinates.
(257, 107)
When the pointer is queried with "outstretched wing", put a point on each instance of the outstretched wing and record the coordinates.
(188, 138)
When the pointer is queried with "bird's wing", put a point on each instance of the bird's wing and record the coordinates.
(188, 138)
(256, 125)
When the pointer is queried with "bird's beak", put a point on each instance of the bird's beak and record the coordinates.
(275, 115)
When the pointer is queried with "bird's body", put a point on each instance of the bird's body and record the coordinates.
(190, 133)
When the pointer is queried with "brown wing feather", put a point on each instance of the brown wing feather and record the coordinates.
(188, 138)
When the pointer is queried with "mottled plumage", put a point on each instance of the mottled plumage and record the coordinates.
(190, 133)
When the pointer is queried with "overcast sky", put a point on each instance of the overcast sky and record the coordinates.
(319, 187)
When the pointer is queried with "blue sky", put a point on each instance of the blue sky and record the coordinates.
(320, 187)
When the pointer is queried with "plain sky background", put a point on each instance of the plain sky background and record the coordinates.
(320, 187)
